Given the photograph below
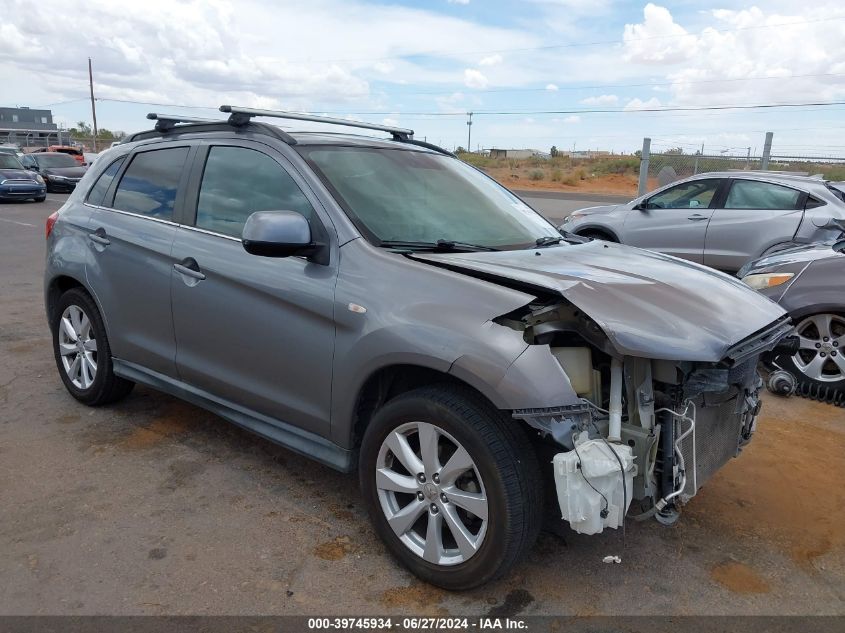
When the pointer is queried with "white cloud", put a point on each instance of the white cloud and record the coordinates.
(639, 104)
(552, 87)
(574, 118)
(658, 39)
(475, 79)
(601, 100)
(746, 56)
(385, 68)
(491, 60)
(458, 1)
(389, 121)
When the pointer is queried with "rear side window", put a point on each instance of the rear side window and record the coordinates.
(98, 191)
(238, 182)
(149, 185)
(752, 194)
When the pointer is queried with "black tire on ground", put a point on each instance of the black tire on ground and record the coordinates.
(40, 198)
(505, 461)
(106, 386)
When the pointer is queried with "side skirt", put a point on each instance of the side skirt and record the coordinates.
(291, 437)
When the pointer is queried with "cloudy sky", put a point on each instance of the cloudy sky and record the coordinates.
(533, 71)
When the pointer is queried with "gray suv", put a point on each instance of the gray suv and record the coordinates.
(380, 306)
(723, 220)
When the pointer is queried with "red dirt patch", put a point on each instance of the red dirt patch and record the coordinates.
(739, 578)
(785, 487)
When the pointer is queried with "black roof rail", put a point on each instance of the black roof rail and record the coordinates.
(166, 122)
(240, 116)
(430, 146)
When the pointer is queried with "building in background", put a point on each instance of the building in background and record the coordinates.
(518, 153)
(28, 127)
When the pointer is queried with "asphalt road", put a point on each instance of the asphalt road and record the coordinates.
(152, 506)
(557, 205)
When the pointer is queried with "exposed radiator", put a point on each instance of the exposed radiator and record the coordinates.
(718, 425)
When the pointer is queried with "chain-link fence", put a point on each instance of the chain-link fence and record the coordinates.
(658, 168)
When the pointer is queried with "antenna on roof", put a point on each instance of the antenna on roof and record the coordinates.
(241, 116)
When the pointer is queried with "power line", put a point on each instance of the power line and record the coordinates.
(441, 53)
(636, 85)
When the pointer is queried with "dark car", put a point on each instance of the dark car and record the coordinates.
(61, 172)
(16, 183)
(809, 283)
(77, 154)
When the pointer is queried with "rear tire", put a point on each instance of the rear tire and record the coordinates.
(447, 544)
(82, 351)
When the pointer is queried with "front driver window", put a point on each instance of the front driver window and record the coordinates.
(689, 195)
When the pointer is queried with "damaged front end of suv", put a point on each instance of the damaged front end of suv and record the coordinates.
(663, 383)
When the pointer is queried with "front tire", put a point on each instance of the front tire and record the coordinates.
(82, 351)
(452, 486)
(820, 360)
(40, 198)
(597, 235)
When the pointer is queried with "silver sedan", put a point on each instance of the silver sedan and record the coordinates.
(721, 220)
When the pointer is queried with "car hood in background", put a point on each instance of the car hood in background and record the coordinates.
(605, 208)
(16, 174)
(648, 304)
(67, 172)
(798, 255)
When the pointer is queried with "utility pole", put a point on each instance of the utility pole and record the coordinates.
(469, 132)
(767, 151)
(93, 107)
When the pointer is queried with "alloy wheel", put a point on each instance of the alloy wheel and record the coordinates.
(431, 493)
(822, 343)
(78, 347)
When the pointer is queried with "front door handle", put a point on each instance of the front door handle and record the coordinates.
(99, 237)
(697, 218)
(189, 268)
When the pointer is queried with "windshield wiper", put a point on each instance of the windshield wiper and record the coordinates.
(439, 245)
(551, 240)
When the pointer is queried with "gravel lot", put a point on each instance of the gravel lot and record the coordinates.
(153, 506)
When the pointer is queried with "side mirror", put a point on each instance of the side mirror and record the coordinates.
(277, 234)
(31, 167)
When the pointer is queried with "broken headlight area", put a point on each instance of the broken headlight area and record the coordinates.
(651, 431)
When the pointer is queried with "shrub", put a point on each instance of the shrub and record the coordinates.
(536, 174)
(556, 175)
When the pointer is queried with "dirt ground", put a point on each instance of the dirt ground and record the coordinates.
(612, 184)
(153, 506)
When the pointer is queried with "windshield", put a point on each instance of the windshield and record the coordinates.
(7, 161)
(55, 160)
(410, 196)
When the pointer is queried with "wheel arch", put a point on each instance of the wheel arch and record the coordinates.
(597, 228)
(389, 381)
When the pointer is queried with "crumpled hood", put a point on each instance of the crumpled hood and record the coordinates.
(16, 174)
(649, 305)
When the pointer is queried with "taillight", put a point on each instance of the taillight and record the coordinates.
(51, 222)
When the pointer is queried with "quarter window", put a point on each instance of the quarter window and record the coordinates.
(238, 182)
(98, 191)
(752, 194)
(690, 195)
(149, 184)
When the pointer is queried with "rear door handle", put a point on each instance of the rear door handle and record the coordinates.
(697, 218)
(189, 268)
(99, 237)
